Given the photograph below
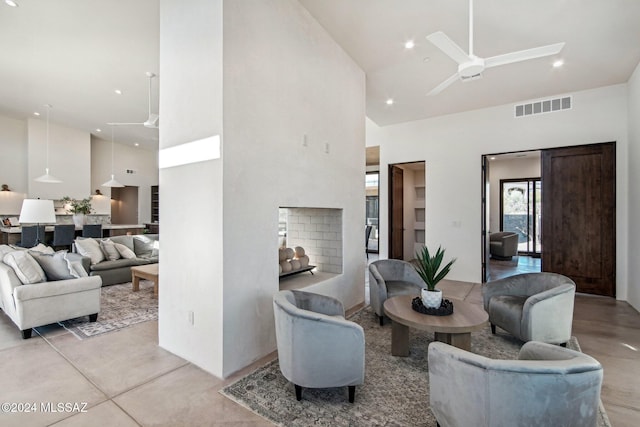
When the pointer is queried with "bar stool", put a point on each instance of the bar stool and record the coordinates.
(92, 230)
(31, 235)
(63, 235)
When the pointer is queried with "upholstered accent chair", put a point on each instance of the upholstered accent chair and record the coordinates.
(532, 306)
(317, 347)
(503, 245)
(389, 278)
(546, 386)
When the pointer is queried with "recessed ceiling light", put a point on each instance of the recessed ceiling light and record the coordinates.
(492, 158)
(136, 144)
(426, 59)
(118, 91)
(98, 130)
(11, 3)
(409, 44)
(35, 113)
(389, 101)
(558, 63)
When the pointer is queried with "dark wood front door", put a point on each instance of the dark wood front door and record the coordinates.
(396, 212)
(578, 220)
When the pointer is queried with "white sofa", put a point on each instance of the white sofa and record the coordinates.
(38, 304)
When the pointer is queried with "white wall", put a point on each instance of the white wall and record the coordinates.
(191, 259)
(507, 169)
(284, 78)
(13, 160)
(143, 162)
(13, 145)
(69, 160)
(633, 249)
(452, 147)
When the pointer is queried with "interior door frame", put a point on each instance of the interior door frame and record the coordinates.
(391, 252)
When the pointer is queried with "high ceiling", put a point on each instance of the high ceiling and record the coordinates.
(73, 54)
(602, 48)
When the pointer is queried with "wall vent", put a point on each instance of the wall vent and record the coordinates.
(544, 106)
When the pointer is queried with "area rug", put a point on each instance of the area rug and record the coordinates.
(395, 392)
(119, 307)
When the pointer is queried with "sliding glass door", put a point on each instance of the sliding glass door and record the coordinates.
(521, 211)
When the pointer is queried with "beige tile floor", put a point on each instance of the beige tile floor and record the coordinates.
(127, 380)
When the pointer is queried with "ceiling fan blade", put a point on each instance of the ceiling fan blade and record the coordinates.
(523, 55)
(448, 46)
(445, 84)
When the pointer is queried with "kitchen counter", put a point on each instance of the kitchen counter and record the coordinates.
(11, 235)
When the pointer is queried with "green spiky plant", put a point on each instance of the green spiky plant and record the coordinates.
(428, 267)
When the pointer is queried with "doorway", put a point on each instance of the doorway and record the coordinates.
(575, 231)
(124, 205)
(511, 189)
(407, 191)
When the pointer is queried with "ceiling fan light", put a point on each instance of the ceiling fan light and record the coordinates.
(112, 182)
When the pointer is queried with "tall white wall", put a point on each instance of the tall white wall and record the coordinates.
(191, 259)
(634, 192)
(507, 169)
(13, 144)
(284, 78)
(143, 162)
(13, 161)
(69, 160)
(452, 147)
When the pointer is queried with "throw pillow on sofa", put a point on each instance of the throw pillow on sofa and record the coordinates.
(25, 267)
(109, 249)
(124, 251)
(90, 248)
(56, 266)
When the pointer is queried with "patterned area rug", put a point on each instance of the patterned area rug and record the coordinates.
(395, 392)
(119, 307)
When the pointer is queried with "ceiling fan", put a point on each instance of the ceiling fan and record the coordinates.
(153, 119)
(470, 67)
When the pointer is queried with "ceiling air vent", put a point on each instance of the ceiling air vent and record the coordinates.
(544, 106)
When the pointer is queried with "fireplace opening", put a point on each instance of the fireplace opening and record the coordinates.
(308, 237)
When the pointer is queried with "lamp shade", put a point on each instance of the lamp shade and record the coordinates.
(37, 211)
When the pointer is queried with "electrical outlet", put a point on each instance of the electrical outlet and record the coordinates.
(326, 147)
(305, 140)
(191, 320)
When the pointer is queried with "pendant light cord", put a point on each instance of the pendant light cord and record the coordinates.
(112, 151)
(47, 135)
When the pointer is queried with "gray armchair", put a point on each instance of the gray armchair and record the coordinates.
(532, 306)
(547, 386)
(317, 347)
(503, 245)
(389, 278)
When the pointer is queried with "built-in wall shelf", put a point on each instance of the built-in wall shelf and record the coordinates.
(155, 203)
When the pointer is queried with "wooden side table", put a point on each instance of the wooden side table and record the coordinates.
(147, 272)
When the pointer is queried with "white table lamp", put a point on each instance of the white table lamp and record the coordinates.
(37, 211)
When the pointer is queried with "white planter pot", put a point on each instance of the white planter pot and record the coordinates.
(79, 219)
(431, 299)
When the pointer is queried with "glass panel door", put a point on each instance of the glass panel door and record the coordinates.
(521, 210)
(372, 209)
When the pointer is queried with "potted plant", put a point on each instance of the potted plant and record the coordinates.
(429, 269)
(79, 209)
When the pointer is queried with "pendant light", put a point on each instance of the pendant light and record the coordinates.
(47, 178)
(112, 182)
